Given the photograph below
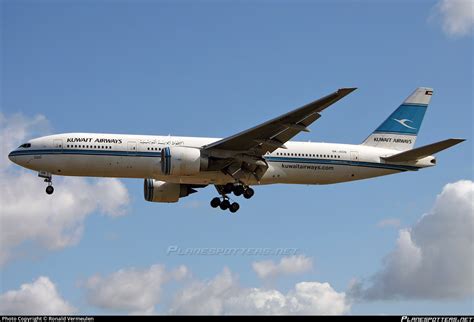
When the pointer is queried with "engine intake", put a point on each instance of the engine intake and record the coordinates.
(182, 161)
(160, 191)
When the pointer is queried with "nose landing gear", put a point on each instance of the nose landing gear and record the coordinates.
(49, 179)
(49, 190)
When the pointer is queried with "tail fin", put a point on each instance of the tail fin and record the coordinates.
(400, 129)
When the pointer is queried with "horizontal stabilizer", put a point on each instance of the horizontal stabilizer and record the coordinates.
(423, 151)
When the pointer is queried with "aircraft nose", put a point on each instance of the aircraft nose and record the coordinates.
(11, 156)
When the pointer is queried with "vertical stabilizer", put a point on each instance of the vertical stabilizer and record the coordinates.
(400, 129)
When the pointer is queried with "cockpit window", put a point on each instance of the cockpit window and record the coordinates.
(25, 145)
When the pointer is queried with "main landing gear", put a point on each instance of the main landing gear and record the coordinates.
(49, 179)
(224, 204)
(224, 201)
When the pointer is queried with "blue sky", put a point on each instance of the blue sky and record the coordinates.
(213, 69)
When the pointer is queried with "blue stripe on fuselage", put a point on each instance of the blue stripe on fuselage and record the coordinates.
(343, 162)
(268, 158)
(87, 152)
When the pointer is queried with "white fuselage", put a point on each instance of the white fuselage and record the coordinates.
(139, 156)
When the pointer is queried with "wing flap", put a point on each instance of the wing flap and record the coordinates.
(423, 151)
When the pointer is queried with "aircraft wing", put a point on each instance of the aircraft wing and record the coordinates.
(273, 134)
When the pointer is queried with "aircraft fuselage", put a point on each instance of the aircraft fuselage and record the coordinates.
(139, 156)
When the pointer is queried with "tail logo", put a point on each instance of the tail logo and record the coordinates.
(404, 123)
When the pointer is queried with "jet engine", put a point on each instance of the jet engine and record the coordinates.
(182, 161)
(160, 191)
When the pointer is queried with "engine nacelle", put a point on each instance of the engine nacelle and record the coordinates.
(160, 191)
(182, 161)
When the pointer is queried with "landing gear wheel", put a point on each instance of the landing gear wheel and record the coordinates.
(49, 190)
(225, 204)
(228, 188)
(238, 190)
(215, 202)
(234, 207)
(248, 193)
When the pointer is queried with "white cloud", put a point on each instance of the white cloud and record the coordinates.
(55, 221)
(133, 290)
(39, 297)
(457, 16)
(224, 295)
(432, 259)
(288, 265)
(138, 291)
(389, 222)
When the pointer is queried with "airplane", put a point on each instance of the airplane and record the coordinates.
(173, 167)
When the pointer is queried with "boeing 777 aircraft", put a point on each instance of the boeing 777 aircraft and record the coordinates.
(174, 167)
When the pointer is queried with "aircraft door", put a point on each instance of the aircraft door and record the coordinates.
(132, 147)
(58, 144)
(354, 156)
